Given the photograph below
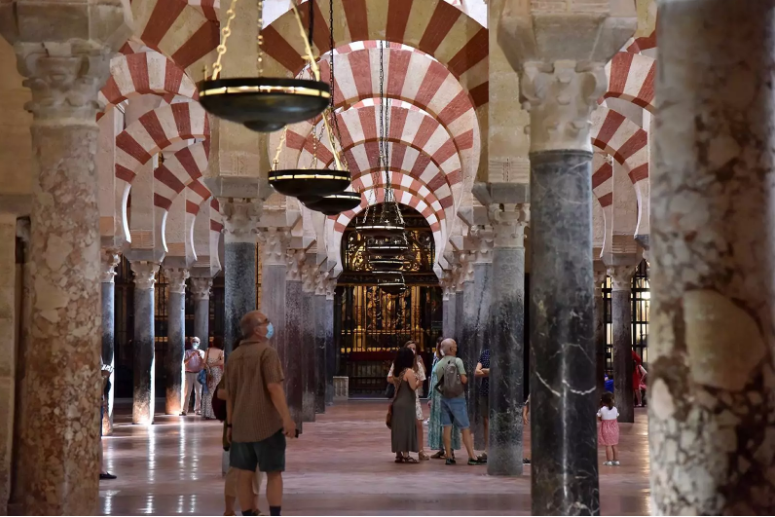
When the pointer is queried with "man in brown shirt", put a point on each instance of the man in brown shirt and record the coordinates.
(257, 413)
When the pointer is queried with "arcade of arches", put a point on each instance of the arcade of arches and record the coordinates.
(568, 202)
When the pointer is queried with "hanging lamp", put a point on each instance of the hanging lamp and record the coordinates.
(264, 104)
(391, 282)
(335, 203)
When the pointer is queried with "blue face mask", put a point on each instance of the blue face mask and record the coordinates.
(269, 331)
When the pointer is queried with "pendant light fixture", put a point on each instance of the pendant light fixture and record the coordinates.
(391, 283)
(264, 104)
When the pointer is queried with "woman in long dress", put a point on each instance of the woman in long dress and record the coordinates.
(435, 429)
(403, 431)
(214, 361)
(419, 371)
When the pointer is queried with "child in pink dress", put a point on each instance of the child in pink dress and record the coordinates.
(608, 433)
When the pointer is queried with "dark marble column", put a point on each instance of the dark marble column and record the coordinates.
(507, 389)
(330, 344)
(200, 291)
(482, 237)
(621, 323)
(319, 334)
(293, 349)
(143, 404)
(239, 269)
(600, 330)
(712, 347)
(449, 311)
(562, 386)
(110, 259)
(307, 346)
(176, 335)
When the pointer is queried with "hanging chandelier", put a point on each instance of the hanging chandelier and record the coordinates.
(391, 282)
(264, 104)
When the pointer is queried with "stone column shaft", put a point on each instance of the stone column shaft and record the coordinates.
(712, 346)
(308, 348)
(319, 335)
(200, 290)
(110, 259)
(176, 337)
(8, 350)
(239, 217)
(144, 350)
(600, 331)
(507, 342)
(482, 302)
(621, 323)
(292, 345)
(330, 342)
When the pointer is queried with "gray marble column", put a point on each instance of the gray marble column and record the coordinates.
(176, 336)
(712, 346)
(621, 323)
(319, 335)
(293, 349)
(507, 341)
(482, 238)
(308, 348)
(110, 259)
(449, 312)
(143, 403)
(600, 328)
(330, 343)
(239, 270)
(459, 298)
(200, 290)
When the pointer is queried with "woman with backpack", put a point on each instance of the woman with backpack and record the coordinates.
(403, 426)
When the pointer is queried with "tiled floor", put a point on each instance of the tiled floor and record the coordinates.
(342, 465)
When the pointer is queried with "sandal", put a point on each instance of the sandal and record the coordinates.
(424, 457)
(409, 459)
(399, 458)
(438, 456)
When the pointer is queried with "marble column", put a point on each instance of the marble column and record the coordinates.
(319, 335)
(110, 259)
(8, 349)
(176, 337)
(308, 348)
(239, 271)
(59, 445)
(712, 346)
(562, 386)
(200, 291)
(507, 341)
(600, 275)
(292, 347)
(621, 324)
(482, 238)
(330, 342)
(143, 344)
(449, 310)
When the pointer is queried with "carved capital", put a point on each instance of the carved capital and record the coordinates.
(483, 240)
(309, 274)
(449, 282)
(23, 230)
(176, 279)
(330, 287)
(621, 277)
(274, 244)
(560, 97)
(200, 287)
(321, 283)
(110, 258)
(240, 217)
(509, 221)
(145, 274)
(600, 274)
(296, 259)
(465, 271)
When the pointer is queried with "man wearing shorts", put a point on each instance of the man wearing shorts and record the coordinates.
(453, 409)
(257, 413)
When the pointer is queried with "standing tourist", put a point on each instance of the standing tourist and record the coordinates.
(452, 380)
(419, 370)
(105, 371)
(483, 371)
(403, 431)
(608, 433)
(214, 360)
(193, 362)
(257, 415)
(435, 428)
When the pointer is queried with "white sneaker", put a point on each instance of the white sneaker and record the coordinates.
(615, 463)
(608, 463)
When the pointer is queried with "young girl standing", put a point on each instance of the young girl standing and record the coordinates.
(608, 433)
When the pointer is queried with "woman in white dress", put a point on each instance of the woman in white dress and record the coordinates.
(419, 370)
(214, 360)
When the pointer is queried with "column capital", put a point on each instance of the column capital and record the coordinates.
(509, 221)
(295, 260)
(621, 277)
(240, 216)
(309, 275)
(560, 97)
(465, 270)
(176, 279)
(482, 237)
(23, 229)
(330, 287)
(145, 274)
(321, 282)
(200, 287)
(110, 258)
(274, 244)
(600, 274)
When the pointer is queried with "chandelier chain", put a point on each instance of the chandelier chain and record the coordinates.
(225, 33)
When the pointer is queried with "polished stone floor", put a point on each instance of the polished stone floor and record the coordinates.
(342, 465)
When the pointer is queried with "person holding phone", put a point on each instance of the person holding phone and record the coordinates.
(257, 415)
(483, 371)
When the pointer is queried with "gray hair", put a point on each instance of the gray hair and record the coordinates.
(251, 321)
(447, 344)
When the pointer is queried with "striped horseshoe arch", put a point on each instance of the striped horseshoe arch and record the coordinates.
(177, 172)
(631, 77)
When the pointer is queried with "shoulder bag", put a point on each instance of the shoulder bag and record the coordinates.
(389, 417)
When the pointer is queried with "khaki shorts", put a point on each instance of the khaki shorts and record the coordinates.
(232, 476)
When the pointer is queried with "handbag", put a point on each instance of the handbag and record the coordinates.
(390, 392)
(389, 417)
